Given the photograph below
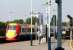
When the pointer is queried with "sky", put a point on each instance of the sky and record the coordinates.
(20, 9)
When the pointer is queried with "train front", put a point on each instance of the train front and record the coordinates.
(12, 32)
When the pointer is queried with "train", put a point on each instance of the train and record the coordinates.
(14, 31)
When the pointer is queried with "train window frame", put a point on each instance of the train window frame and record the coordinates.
(23, 29)
(27, 30)
(11, 27)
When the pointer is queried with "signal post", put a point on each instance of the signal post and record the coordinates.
(59, 31)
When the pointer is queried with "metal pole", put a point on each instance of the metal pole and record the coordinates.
(59, 33)
(71, 33)
(49, 38)
(31, 32)
(36, 29)
(46, 34)
(59, 24)
(71, 20)
(31, 25)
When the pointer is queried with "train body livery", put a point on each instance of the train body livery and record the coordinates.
(12, 31)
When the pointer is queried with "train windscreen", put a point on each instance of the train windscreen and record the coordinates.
(11, 28)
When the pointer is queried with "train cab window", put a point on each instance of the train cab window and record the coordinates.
(11, 27)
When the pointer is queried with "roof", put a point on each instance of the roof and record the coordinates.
(12, 24)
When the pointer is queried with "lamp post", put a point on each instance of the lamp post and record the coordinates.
(31, 31)
(31, 42)
(59, 33)
(48, 24)
(49, 38)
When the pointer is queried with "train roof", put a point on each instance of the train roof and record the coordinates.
(22, 25)
(27, 25)
(12, 23)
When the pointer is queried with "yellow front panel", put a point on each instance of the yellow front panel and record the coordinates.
(11, 34)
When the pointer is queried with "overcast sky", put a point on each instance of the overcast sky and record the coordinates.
(20, 9)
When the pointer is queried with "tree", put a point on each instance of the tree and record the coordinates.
(19, 21)
(16, 21)
(2, 24)
(34, 19)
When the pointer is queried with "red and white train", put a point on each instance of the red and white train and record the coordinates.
(14, 30)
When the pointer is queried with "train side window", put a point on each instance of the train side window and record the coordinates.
(23, 30)
(29, 30)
